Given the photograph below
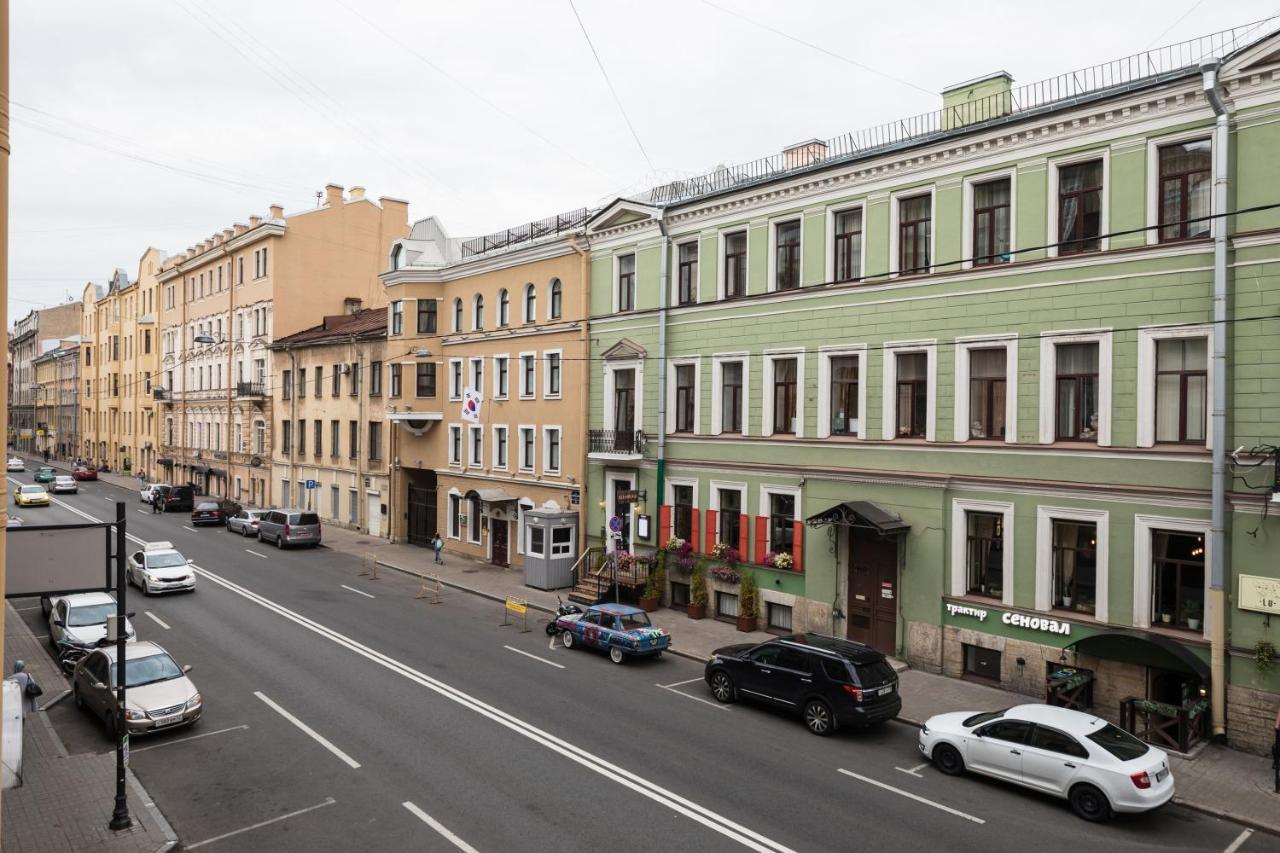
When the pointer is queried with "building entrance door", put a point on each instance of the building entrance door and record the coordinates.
(499, 530)
(873, 590)
(422, 511)
(374, 510)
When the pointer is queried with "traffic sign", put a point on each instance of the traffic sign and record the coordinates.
(615, 524)
(312, 484)
(575, 497)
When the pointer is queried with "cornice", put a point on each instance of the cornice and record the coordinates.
(556, 248)
(273, 228)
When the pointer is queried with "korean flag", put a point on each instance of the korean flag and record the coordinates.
(471, 401)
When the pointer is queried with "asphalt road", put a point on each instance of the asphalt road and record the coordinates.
(341, 713)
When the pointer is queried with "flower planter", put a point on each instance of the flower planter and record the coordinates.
(697, 611)
(648, 605)
(1193, 624)
(746, 624)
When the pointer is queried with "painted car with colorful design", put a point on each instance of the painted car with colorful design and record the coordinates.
(622, 630)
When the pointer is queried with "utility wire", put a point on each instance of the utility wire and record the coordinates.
(613, 91)
(1181, 18)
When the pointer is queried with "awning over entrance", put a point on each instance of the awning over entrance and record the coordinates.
(494, 496)
(165, 461)
(1143, 649)
(861, 514)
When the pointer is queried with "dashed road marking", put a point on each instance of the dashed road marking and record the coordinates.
(914, 771)
(440, 828)
(356, 591)
(256, 554)
(319, 738)
(535, 657)
(328, 802)
(910, 796)
(1239, 842)
(156, 619)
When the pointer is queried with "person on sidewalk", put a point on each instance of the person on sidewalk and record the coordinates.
(437, 545)
(30, 690)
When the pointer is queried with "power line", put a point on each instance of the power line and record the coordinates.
(612, 91)
(818, 48)
(1180, 19)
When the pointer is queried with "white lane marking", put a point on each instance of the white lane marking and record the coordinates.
(440, 828)
(144, 512)
(356, 591)
(256, 554)
(694, 811)
(1239, 842)
(185, 739)
(535, 657)
(328, 802)
(715, 705)
(189, 527)
(319, 738)
(156, 619)
(109, 498)
(680, 683)
(914, 771)
(911, 796)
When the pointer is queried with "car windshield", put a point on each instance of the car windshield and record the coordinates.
(32, 490)
(635, 620)
(204, 507)
(1119, 743)
(165, 561)
(875, 674)
(984, 717)
(90, 614)
(148, 670)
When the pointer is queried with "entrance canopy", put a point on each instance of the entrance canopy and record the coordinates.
(1144, 649)
(495, 496)
(861, 514)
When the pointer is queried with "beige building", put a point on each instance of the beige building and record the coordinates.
(331, 429)
(38, 332)
(119, 358)
(503, 315)
(57, 409)
(224, 301)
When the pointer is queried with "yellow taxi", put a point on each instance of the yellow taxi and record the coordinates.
(31, 495)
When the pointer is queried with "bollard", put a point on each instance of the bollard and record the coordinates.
(370, 566)
(518, 606)
(424, 590)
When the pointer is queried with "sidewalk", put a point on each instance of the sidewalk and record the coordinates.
(65, 801)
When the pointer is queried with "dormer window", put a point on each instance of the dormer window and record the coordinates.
(395, 256)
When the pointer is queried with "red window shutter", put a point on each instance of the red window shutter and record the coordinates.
(762, 537)
(797, 544)
(664, 524)
(711, 530)
(693, 528)
(744, 533)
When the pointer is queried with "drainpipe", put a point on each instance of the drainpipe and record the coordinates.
(584, 349)
(1218, 419)
(662, 359)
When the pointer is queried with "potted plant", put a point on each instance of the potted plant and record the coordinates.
(651, 599)
(748, 603)
(698, 592)
(1166, 618)
(1193, 612)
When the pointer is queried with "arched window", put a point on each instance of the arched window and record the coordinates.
(530, 303)
(504, 307)
(556, 299)
(259, 436)
(478, 318)
(457, 314)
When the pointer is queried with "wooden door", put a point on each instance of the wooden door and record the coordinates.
(422, 515)
(498, 529)
(873, 590)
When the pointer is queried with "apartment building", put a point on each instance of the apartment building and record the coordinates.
(57, 407)
(945, 386)
(38, 332)
(331, 455)
(224, 301)
(501, 316)
(120, 357)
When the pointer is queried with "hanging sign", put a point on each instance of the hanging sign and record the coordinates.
(1259, 593)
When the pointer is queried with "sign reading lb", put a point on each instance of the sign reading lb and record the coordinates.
(1259, 593)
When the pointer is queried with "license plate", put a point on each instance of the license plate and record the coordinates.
(168, 721)
(1161, 774)
(885, 690)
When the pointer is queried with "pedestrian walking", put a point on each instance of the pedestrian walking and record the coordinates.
(437, 545)
(30, 690)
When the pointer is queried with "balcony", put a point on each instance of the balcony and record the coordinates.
(615, 445)
(251, 390)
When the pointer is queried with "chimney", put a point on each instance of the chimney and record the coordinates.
(276, 211)
(240, 228)
(978, 100)
(355, 193)
(351, 304)
(803, 153)
(333, 194)
(255, 221)
(227, 234)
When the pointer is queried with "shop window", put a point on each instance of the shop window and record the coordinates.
(985, 552)
(779, 618)
(1075, 565)
(729, 518)
(682, 512)
(679, 595)
(981, 664)
(727, 606)
(782, 514)
(1177, 579)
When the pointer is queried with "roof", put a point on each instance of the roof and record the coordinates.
(616, 609)
(856, 652)
(136, 649)
(368, 323)
(87, 598)
(860, 514)
(1064, 719)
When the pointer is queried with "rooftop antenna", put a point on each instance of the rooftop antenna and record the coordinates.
(319, 196)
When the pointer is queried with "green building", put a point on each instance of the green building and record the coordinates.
(960, 369)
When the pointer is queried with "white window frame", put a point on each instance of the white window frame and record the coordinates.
(959, 545)
(523, 464)
(457, 378)
(1056, 163)
(1148, 337)
(610, 368)
(1008, 341)
(616, 283)
(1049, 342)
(473, 520)
(573, 541)
(547, 469)
(523, 506)
(546, 374)
(477, 312)
(676, 244)
(772, 257)
(459, 311)
(717, 389)
(498, 394)
(825, 354)
(695, 362)
(766, 398)
(470, 379)
(767, 489)
(1045, 517)
(833, 213)
(453, 525)
(745, 229)
(527, 393)
(1143, 527)
(889, 403)
(669, 499)
(610, 489)
(895, 202)
(527, 317)
(475, 459)
(966, 231)
(500, 464)
(713, 503)
(1154, 144)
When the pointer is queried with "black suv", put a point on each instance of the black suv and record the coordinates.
(831, 682)
(179, 499)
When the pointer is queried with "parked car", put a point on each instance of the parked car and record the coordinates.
(245, 522)
(620, 629)
(1096, 766)
(158, 567)
(80, 620)
(64, 484)
(288, 527)
(829, 681)
(30, 496)
(179, 499)
(84, 472)
(45, 474)
(16, 464)
(147, 492)
(206, 513)
(159, 695)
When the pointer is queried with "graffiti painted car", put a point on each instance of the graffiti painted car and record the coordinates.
(620, 629)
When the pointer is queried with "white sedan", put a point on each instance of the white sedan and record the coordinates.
(65, 484)
(158, 567)
(1099, 768)
(16, 464)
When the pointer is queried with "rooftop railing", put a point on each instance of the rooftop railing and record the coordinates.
(552, 225)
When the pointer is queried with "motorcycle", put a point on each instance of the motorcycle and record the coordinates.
(69, 656)
(563, 608)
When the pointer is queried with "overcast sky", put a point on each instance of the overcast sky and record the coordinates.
(143, 123)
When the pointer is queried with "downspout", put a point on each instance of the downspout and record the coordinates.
(1218, 417)
(293, 416)
(665, 247)
(584, 399)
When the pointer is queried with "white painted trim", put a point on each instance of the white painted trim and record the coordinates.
(526, 392)
(522, 464)
(716, 486)
(499, 357)
(477, 313)
(717, 389)
(474, 459)
(1146, 390)
(610, 479)
(546, 449)
(546, 374)
(669, 497)
(766, 399)
(966, 225)
(771, 285)
(745, 229)
(832, 213)
(767, 489)
(1143, 527)
(470, 379)
(456, 461)
(616, 282)
(610, 367)
(1049, 341)
(1008, 341)
(684, 361)
(455, 388)
(889, 408)
(1154, 144)
(825, 354)
(1045, 516)
(960, 542)
(499, 465)
(1056, 163)
(673, 298)
(895, 200)
(453, 529)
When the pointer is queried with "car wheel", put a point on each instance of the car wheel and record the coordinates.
(1090, 803)
(616, 655)
(280, 541)
(722, 687)
(947, 759)
(46, 606)
(566, 639)
(146, 586)
(817, 718)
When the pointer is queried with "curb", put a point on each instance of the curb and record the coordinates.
(1235, 817)
(153, 811)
